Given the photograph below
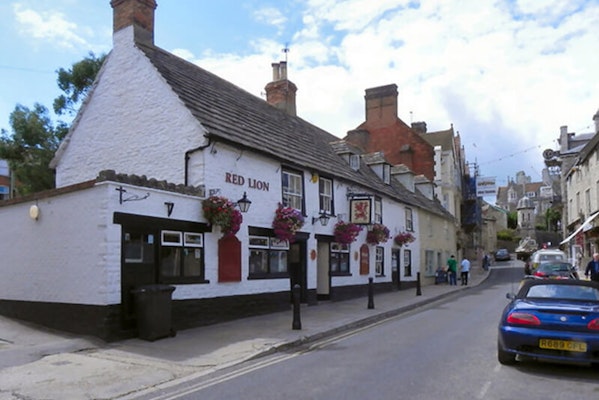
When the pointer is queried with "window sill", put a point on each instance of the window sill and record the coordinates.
(183, 281)
(267, 276)
(341, 274)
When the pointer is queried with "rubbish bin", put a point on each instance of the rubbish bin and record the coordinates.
(153, 311)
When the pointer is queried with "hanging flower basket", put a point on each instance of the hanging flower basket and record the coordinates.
(378, 234)
(403, 238)
(222, 212)
(346, 232)
(287, 221)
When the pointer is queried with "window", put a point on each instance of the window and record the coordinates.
(409, 222)
(181, 257)
(587, 200)
(429, 262)
(378, 211)
(379, 261)
(354, 162)
(292, 190)
(268, 257)
(339, 259)
(387, 174)
(325, 190)
(138, 247)
(407, 263)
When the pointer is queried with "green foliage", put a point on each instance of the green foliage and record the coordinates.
(552, 216)
(31, 147)
(512, 219)
(506, 234)
(75, 83)
(35, 137)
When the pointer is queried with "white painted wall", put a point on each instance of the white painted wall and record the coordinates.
(64, 256)
(132, 123)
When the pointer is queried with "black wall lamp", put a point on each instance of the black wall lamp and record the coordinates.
(169, 207)
(323, 218)
(244, 203)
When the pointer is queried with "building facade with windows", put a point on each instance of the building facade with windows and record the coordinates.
(157, 143)
(581, 206)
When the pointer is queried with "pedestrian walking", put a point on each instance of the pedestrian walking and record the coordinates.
(486, 260)
(452, 270)
(593, 268)
(465, 271)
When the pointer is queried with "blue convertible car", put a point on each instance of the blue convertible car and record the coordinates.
(553, 320)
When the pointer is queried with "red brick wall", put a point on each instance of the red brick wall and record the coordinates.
(400, 145)
(130, 12)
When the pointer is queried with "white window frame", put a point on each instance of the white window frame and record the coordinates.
(293, 191)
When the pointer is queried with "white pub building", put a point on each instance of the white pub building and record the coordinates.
(157, 137)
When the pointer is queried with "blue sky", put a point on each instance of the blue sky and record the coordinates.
(506, 74)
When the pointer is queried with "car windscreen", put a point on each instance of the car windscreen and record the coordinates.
(567, 292)
(556, 267)
(550, 257)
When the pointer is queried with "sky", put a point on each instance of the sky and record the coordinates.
(506, 74)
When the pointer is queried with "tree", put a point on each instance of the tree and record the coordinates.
(75, 83)
(31, 147)
(35, 137)
(552, 216)
(512, 219)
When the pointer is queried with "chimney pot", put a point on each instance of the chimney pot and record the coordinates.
(281, 92)
(275, 72)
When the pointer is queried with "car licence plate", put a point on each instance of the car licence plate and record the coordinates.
(563, 345)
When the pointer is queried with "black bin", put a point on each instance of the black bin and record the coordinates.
(153, 311)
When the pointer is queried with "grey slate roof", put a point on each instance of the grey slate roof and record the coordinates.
(440, 138)
(233, 115)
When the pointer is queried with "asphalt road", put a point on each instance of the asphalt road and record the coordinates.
(444, 351)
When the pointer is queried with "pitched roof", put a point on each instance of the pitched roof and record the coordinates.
(233, 115)
(440, 138)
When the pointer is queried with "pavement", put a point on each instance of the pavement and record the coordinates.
(37, 363)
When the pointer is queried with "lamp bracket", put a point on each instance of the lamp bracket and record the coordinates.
(133, 197)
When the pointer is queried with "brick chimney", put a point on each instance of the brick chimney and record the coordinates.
(381, 105)
(281, 91)
(136, 13)
(419, 127)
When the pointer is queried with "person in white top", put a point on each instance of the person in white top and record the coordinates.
(465, 271)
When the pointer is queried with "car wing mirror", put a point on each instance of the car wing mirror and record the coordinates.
(510, 296)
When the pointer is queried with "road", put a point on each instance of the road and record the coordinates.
(444, 351)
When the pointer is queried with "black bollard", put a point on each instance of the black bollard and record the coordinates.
(418, 287)
(297, 323)
(370, 294)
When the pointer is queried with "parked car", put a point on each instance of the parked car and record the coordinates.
(551, 319)
(556, 270)
(542, 256)
(502, 255)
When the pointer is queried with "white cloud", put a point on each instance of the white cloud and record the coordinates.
(50, 27)
(270, 16)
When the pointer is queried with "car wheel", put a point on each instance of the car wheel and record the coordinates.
(504, 357)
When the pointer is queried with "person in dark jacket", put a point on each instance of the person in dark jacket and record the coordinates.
(593, 268)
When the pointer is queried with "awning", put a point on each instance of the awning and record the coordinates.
(584, 226)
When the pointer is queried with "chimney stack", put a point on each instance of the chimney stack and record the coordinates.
(419, 127)
(381, 105)
(136, 13)
(281, 91)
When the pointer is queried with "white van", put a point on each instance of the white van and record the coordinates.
(542, 256)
